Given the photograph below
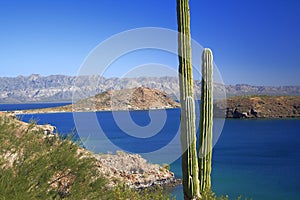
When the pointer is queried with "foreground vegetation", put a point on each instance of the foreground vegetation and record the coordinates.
(35, 166)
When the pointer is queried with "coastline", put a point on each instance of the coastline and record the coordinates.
(32, 112)
(145, 98)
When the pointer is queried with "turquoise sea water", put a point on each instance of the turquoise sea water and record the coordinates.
(259, 159)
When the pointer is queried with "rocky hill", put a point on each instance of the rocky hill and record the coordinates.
(263, 107)
(58, 88)
(140, 98)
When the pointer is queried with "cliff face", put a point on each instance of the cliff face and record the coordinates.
(36, 88)
(263, 107)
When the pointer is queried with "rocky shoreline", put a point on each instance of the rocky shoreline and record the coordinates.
(130, 169)
(134, 171)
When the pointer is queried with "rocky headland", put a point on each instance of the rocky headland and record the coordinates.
(262, 107)
(134, 170)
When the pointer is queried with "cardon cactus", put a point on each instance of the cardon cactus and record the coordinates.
(188, 128)
(206, 121)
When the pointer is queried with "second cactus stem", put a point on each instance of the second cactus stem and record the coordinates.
(206, 122)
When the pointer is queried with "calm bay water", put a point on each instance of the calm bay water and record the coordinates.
(259, 159)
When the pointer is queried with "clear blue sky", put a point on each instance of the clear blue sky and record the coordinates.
(254, 41)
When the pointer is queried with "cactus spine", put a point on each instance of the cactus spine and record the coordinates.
(188, 128)
(206, 121)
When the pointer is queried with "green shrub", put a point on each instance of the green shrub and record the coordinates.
(51, 168)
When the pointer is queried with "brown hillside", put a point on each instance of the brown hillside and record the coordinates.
(140, 98)
(263, 107)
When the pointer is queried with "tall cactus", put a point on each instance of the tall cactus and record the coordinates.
(188, 130)
(206, 121)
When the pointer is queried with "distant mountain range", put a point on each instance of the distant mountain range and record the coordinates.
(59, 88)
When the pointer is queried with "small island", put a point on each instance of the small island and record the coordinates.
(139, 98)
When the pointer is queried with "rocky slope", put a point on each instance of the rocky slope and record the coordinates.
(122, 167)
(263, 107)
(134, 170)
(140, 98)
(36, 88)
